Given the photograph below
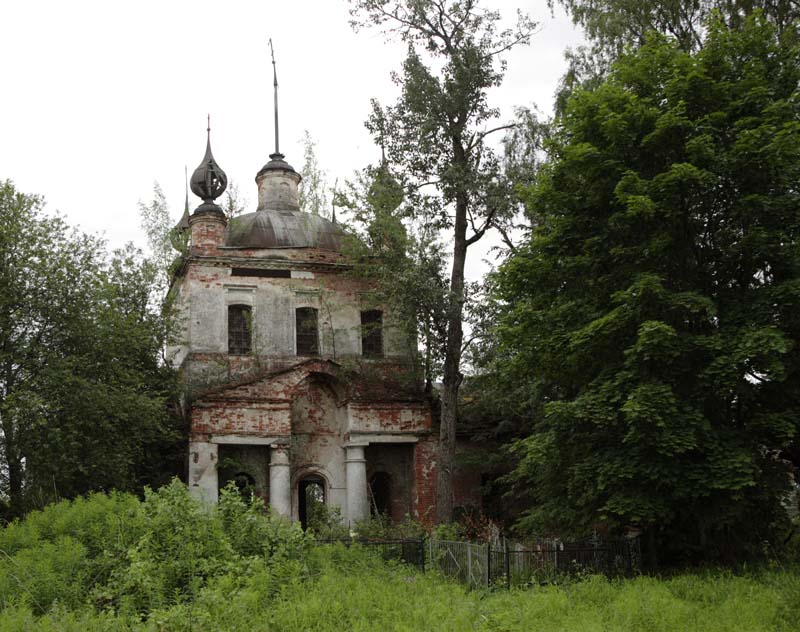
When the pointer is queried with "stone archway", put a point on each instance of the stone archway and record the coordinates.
(310, 497)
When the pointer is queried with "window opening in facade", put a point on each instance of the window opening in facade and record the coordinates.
(239, 329)
(372, 334)
(311, 496)
(307, 338)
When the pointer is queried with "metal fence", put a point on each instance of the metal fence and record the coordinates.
(487, 565)
(466, 562)
(509, 564)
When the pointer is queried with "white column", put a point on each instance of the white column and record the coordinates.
(203, 477)
(356, 472)
(280, 480)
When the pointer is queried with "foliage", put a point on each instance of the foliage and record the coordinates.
(60, 554)
(115, 552)
(404, 258)
(313, 187)
(254, 531)
(338, 588)
(615, 24)
(381, 527)
(83, 391)
(650, 326)
(234, 203)
(435, 137)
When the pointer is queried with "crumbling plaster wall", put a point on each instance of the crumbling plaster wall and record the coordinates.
(206, 291)
(319, 424)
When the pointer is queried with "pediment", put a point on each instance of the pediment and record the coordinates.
(279, 385)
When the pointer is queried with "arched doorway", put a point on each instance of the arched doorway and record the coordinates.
(380, 489)
(310, 496)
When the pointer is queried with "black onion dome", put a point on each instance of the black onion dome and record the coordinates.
(283, 229)
(208, 180)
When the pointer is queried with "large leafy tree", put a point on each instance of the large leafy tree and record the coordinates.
(83, 390)
(405, 256)
(436, 139)
(650, 327)
(614, 24)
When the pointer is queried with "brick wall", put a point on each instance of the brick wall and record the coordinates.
(424, 501)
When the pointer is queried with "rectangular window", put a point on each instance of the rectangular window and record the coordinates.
(239, 329)
(307, 338)
(372, 334)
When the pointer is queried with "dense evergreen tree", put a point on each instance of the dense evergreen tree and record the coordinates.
(650, 327)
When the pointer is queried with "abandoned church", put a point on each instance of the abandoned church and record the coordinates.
(297, 386)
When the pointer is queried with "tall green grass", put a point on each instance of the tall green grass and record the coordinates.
(110, 563)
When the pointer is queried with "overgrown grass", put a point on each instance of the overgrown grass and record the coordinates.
(113, 563)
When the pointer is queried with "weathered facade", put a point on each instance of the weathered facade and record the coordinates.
(295, 382)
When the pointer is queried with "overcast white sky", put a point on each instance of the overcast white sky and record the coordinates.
(101, 99)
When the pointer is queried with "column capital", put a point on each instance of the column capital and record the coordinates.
(279, 455)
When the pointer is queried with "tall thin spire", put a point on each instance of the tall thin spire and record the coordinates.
(275, 92)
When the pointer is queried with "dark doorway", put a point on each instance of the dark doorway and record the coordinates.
(380, 487)
(311, 496)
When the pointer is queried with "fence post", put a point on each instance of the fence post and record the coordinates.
(421, 551)
(488, 564)
(469, 563)
(508, 564)
(430, 551)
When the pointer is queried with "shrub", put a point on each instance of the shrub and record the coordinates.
(40, 576)
(183, 544)
(252, 531)
(382, 528)
(62, 552)
(326, 523)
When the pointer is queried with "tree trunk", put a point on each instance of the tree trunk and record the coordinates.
(10, 448)
(14, 465)
(451, 380)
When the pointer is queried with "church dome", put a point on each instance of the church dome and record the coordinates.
(283, 229)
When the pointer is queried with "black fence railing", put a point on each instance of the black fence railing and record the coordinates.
(543, 562)
(519, 564)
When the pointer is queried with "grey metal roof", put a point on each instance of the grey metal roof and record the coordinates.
(283, 229)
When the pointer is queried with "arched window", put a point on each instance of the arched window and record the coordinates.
(372, 333)
(307, 337)
(239, 329)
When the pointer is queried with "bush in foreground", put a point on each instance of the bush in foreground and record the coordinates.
(108, 563)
